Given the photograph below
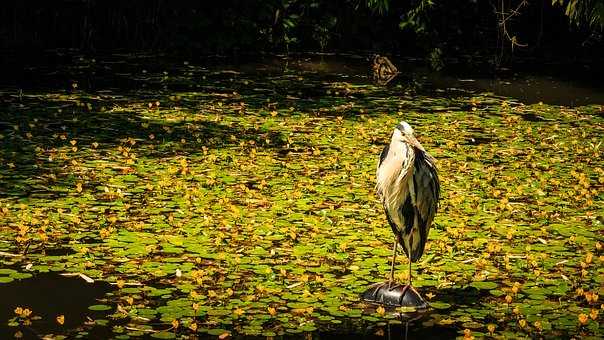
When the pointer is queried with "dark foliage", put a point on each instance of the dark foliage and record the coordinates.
(415, 28)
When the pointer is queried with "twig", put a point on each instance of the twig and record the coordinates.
(504, 20)
(83, 276)
(140, 329)
(128, 283)
(294, 285)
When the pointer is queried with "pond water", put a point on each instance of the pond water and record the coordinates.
(555, 84)
(213, 198)
(46, 294)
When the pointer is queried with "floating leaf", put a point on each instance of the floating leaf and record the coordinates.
(484, 285)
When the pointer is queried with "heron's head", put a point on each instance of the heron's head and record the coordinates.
(405, 128)
(403, 133)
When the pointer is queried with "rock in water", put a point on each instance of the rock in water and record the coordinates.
(394, 295)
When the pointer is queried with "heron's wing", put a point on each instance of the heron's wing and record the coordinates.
(427, 189)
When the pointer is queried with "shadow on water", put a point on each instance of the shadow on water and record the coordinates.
(49, 295)
(400, 330)
(413, 330)
(531, 117)
(477, 140)
(460, 296)
(59, 251)
(59, 117)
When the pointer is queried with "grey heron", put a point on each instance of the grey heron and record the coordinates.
(409, 189)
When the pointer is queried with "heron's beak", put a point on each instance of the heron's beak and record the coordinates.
(415, 143)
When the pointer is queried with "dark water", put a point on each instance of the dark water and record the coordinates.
(48, 295)
(569, 84)
(528, 89)
(407, 330)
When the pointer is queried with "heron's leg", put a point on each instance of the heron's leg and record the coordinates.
(393, 261)
(410, 270)
(409, 253)
(408, 285)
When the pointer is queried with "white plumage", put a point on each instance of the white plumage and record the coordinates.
(408, 187)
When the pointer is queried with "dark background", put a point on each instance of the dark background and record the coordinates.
(464, 31)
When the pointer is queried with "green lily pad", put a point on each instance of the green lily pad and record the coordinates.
(4, 279)
(484, 285)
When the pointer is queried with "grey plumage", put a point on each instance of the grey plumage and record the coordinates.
(409, 189)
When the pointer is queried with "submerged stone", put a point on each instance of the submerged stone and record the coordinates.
(395, 295)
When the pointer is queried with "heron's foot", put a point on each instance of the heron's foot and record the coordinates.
(409, 297)
(388, 285)
(408, 289)
(405, 289)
